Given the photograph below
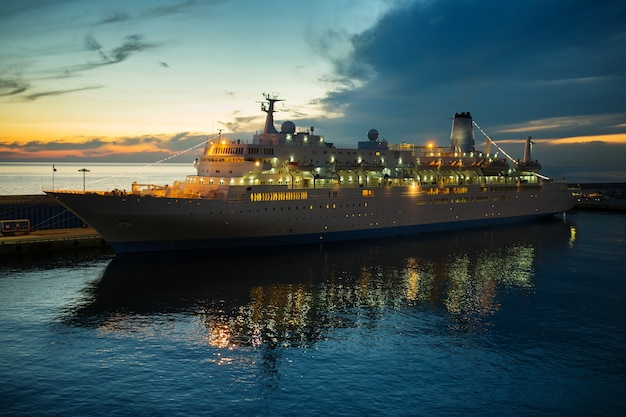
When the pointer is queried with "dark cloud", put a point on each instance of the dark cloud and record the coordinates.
(38, 146)
(504, 61)
(168, 10)
(243, 123)
(129, 141)
(11, 87)
(155, 12)
(115, 17)
(91, 44)
(131, 44)
(35, 96)
(171, 143)
(14, 87)
(450, 40)
(174, 143)
(177, 139)
(177, 142)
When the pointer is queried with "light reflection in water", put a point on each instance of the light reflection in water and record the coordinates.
(298, 296)
(572, 236)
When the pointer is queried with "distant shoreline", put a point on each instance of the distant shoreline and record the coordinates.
(601, 196)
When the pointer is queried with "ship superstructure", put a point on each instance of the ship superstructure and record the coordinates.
(288, 187)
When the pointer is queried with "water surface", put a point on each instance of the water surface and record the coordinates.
(518, 320)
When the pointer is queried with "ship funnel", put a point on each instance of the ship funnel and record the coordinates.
(462, 136)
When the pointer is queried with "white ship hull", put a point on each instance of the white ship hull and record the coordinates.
(291, 187)
(133, 223)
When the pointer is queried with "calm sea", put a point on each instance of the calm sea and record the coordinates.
(519, 320)
(20, 178)
(524, 320)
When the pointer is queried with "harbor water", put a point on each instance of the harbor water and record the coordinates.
(20, 178)
(527, 319)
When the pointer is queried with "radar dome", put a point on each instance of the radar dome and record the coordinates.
(288, 127)
(373, 135)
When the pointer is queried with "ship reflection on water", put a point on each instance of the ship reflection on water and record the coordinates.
(295, 297)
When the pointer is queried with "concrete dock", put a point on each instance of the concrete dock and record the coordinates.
(52, 241)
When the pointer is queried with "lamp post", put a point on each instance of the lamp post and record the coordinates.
(83, 170)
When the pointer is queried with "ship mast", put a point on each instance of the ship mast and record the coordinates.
(269, 120)
(527, 150)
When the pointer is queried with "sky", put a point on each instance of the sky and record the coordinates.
(140, 81)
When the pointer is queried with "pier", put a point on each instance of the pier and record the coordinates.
(51, 227)
(52, 241)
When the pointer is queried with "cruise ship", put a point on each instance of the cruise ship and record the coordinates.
(287, 187)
